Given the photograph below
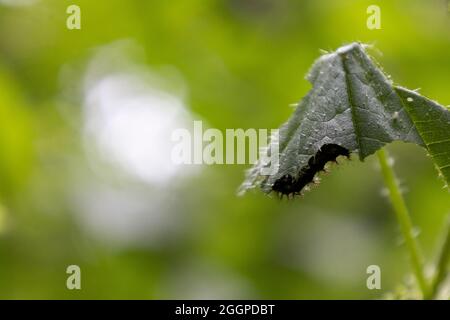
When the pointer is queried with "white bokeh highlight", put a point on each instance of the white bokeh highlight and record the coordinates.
(131, 124)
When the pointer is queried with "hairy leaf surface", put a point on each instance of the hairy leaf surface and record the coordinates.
(352, 105)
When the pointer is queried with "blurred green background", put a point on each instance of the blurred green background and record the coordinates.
(85, 173)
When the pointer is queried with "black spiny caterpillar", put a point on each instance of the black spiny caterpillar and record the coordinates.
(289, 185)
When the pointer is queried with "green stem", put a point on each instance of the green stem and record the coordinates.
(404, 220)
(442, 263)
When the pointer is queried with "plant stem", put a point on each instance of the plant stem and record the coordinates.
(442, 263)
(404, 220)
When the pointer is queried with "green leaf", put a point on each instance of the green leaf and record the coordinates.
(352, 107)
(432, 121)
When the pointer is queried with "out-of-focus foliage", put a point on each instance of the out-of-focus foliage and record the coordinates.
(85, 123)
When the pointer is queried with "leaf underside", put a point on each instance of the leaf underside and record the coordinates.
(353, 106)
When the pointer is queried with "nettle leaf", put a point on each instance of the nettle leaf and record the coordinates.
(352, 108)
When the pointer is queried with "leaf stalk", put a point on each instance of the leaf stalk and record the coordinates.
(403, 217)
(442, 265)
